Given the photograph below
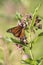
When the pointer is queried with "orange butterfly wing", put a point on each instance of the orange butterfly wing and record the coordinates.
(22, 33)
(15, 31)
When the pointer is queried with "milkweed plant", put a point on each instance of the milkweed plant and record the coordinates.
(33, 22)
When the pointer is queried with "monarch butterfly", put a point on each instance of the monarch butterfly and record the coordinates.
(19, 31)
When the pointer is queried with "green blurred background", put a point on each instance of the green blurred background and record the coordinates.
(8, 9)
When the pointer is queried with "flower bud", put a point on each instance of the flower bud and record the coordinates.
(25, 57)
(37, 21)
(18, 45)
(40, 26)
(29, 16)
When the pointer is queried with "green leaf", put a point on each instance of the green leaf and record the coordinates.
(39, 60)
(11, 40)
(37, 47)
(18, 16)
(34, 16)
(28, 61)
(7, 39)
(15, 41)
(41, 34)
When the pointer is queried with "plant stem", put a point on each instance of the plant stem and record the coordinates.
(31, 51)
(34, 16)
